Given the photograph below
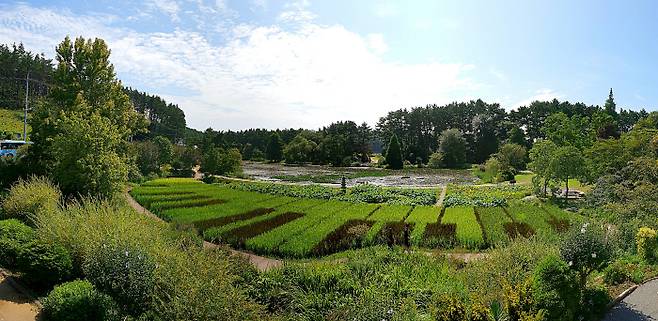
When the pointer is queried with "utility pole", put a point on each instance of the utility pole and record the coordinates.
(27, 92)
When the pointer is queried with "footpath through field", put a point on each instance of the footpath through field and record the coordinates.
(642, 305)
(15, 306)
(261, 263)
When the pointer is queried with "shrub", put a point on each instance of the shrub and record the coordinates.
(615, 274)
(13, 236)
(78, 300)
(44, 264)
(448, 308)
(555, 289)
(436, 160)
(27, 197)
(479, 312)
(123, 272)
(647, 242)
(585, 249)
(594, 303)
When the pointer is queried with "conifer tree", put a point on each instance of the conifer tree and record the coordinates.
(394, 154)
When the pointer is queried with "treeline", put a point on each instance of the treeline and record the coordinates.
(17, 64)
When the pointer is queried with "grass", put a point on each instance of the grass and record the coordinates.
(420, 217)
(11, 122)
(469, 233)
(493, 220)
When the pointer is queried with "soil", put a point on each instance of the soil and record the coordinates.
(423, 177)
(14, 305)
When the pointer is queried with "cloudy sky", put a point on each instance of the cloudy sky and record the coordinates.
(235, 64)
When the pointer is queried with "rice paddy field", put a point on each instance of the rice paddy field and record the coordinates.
(274, 224)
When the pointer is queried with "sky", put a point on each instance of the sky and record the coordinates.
(237, 64)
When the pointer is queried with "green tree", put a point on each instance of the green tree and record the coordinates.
(610, 106)
(218, 161)
(517, 136)
(85, 94)
(165, 150)
(394, 154)
(147, 157)
(299, 150)
(571, 131)
(541, 154)
(567, 162)
(452, 146)
(512, 155)
(274, 148)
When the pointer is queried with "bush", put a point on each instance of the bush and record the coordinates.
(436, 160)
(27, 197)
(124, 273)
(585, 250)
(647, 242)
(615, 274)
(78, 300)
(448, 308)
(13, 236)
(555, 289)
(44, 264)
(594, 303)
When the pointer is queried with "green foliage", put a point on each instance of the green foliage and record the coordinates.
(13, 236)
(647, 243)
(218, 161)
(615, 274)
(448, 308)
(585, 249)
(541, 155)
(165, 149)
(594, 303)
(452, 146)
(566, 162)
(300, 150)
(568, 131)
(123, 272)
(469, 232)
(394, 154)
(98, 169)
(512, 155)
(493, 168)
(274, 151)
(436, 160)
(44, 264)
(555, 289)
(27, 197)
(78, 300)
(484, 196)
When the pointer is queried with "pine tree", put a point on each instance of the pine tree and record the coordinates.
(611, 106)
(394, 154)
(274, 148)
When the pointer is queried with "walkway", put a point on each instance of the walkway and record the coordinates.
(260, 262)
(640, 305)
(439, 202)
(14, 306)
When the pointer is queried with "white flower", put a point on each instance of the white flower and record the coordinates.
(570, 263)
(390, 311)
(594, 255)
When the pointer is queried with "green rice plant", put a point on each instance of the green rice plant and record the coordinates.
(469, 233)
(531, 214)
(302, 244)
(493, 220)
(159, 207)
(270, 241)
(484, 196)
(371, 236)
(233, 206)
(391, 213)
(420, 216)
(148, 200)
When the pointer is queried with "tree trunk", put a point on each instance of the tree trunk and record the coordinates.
(567, 189)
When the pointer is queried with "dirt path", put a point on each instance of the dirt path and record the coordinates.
(260, 262)
(640, 305)
(15, 306)
(439, 202)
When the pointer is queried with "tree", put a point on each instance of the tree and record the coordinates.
(452, 146)
(517, 136)
(394, 154)
(218, 161)
(512, 155)
(604, 126)
(564, 130)
(541, 154)
(610, 106)
(299, 150)
(486, 142)
(165, 150)
(147, 157)
(567, 162)
(274, 148)
(85, 105)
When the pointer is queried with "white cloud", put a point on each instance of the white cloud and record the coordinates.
(169, 7)
(262, 76)
(544, 94)
(385, 10)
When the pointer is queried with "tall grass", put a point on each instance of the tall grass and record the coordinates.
(29, 196)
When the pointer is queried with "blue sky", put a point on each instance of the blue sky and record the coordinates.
(261, 63)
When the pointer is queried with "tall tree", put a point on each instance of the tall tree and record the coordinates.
(452, 146)
(610, 105)
(394, 154)
(567, 162)
(274, 148)
(85, 92)
(540, 161)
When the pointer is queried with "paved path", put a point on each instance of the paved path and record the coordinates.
(15, 306)
(642, 304)
(260, 262)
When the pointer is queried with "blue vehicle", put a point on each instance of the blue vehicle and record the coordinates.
(9, 148)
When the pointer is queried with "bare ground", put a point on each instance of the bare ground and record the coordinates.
(14, 304)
